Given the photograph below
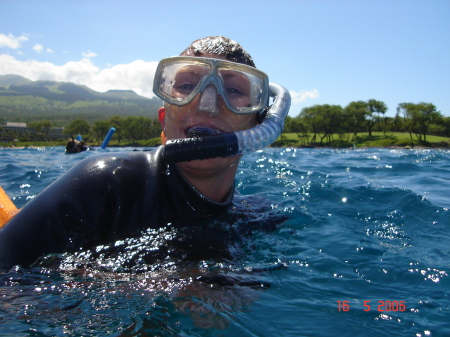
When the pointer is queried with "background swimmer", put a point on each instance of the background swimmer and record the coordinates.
(75, 146)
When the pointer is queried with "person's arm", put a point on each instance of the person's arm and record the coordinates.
(97, 199)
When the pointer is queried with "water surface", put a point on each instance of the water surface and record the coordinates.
(370, 227)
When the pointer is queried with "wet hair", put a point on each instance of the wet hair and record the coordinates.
(220, 45)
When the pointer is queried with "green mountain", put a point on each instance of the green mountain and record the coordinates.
(22, 100)
(7, 80)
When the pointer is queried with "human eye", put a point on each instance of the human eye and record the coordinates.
(237, 96)
(185, 87)
(235, 83)
(185, 83)
(234, 91)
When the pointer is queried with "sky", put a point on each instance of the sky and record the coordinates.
(324, 52)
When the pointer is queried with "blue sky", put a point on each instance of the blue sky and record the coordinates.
(324, 52)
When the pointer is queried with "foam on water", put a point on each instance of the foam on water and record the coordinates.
(363, 226)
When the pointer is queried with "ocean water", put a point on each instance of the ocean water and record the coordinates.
(364, 251)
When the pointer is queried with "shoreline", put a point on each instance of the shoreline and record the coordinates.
(418, 147)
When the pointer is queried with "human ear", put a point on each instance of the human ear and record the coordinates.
(162, 121)
(161, 117)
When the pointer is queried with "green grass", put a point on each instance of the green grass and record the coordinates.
(364, 140)
(287, 140)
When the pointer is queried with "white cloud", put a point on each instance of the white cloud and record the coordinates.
(89, 54)
(303, 95)
(137, 75)
(38, 48)
(12, 41)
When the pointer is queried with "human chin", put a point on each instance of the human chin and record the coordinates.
(203, 166)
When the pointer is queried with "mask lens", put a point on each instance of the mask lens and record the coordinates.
(243, 90)
(179, 81)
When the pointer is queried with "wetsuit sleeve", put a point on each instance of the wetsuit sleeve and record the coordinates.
(99, 199)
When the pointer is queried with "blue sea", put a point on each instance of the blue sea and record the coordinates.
(364, 250)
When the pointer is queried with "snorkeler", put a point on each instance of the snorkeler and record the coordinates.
(75, 146)
(216, 107)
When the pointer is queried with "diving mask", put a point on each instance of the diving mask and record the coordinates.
(244, 89)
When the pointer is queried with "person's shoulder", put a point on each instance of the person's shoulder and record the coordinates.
(117, 157)
(117, 163)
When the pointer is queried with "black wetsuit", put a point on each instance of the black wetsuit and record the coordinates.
(102, 199)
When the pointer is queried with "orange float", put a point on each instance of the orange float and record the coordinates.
(7, 208)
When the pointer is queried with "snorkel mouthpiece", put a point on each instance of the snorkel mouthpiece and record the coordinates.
(233, 143)
(198, 131)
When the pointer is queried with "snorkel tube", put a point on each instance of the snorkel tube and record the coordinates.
(234, 143)
(108, 138)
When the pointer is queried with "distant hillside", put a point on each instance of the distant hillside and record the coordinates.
(7, 80)
(22, 100)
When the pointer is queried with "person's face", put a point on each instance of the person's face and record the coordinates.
(210, 112)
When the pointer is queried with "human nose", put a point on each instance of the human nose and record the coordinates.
(209, 100)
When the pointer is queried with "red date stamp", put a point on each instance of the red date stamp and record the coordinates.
(380, 306)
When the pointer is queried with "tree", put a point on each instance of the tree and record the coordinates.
(292, 125)
(297, 125)
(374, 106)
(78, 126)
(323, 119)
(40, 128)
(310, 115)
(116, 122)
(386, 121)
(100, 129)
(302, 133)
(418, 117)
(446, 126)
(406, 110)
(427, 114)
(397, 123)
(333, 120)
(287, 124)
(355, 116)
(136, 128)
